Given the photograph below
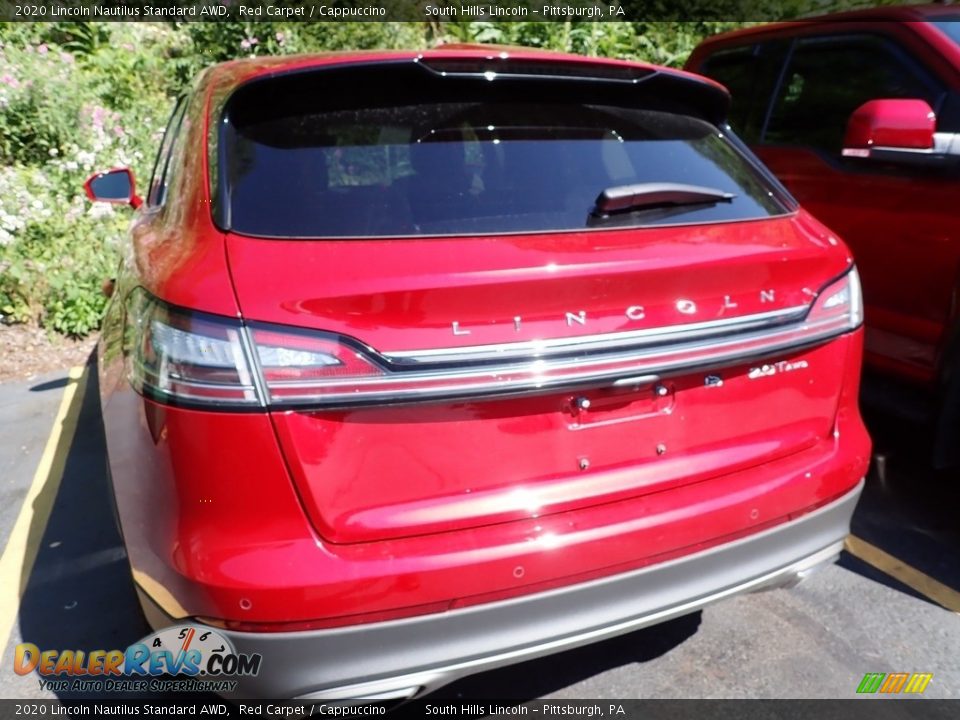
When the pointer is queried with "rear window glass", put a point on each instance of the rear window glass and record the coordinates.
(363, 157)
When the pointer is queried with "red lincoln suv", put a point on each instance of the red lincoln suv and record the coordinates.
(859, 115)
(424, 363)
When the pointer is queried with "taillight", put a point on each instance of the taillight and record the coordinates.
(189, 358)
(839, 306)
(296, 366)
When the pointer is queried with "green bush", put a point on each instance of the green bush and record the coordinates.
(63, 116)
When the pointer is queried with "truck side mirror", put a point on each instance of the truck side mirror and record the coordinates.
(893, 130)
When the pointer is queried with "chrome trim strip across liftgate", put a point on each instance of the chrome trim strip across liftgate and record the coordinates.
(526, 368)
(531, 349)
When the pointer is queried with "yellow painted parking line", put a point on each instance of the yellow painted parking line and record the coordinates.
(159, 594)
(909, 576)
(18, 557)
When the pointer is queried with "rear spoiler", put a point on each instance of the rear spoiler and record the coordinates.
(700, 95)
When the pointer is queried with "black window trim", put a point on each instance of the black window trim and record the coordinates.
(158, 184)
(777, 86)
(784, 195)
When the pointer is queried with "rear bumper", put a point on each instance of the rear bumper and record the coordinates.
(404, 657)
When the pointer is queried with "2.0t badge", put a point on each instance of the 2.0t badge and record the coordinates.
(770, 369)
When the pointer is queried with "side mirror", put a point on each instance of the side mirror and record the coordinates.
(891, 131)
(114, 186)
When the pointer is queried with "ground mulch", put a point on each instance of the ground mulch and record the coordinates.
(27, 351)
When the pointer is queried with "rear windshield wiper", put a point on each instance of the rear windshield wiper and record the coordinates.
(628, 198)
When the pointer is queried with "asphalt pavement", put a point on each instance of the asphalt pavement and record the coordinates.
(891, 607)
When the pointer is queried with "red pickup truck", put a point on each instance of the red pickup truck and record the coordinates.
(859, 115)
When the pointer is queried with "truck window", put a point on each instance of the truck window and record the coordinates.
(830, 77)
(749, 73)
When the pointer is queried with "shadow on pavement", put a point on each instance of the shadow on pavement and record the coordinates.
(50, 385)
(80, 595)
(543, 676)
(908, 509)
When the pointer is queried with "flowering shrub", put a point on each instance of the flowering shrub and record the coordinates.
(62, 117)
